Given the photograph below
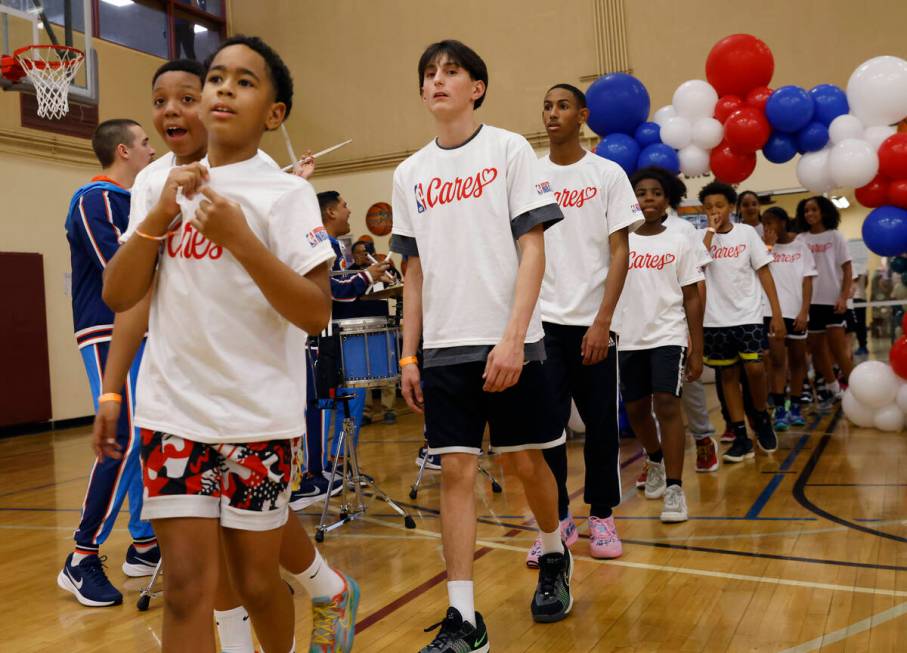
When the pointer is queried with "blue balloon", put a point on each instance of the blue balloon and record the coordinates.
(780, 147)
(789, 109)
(830, 102)
(812, 138)
(617, 103)
(621, 149)
(661, 155)
(647, 134)
(885, 231)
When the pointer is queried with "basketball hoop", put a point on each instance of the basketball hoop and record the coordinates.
(51, 69)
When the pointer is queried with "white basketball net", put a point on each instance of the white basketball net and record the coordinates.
(51, 70)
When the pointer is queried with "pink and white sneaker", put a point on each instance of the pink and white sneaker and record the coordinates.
(603, 539)
(569, 533)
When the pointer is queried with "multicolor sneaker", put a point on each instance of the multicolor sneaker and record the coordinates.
(641, 479)
(334, 619)
(569, 533)
(675, 507)
(656, 480)
(782, 419)
(794, 417)
(552, 600)
(457, 635)
(433, 462)
(727, 436)
(88, 582)
(138, 564)
(603, 540)
(706, 455)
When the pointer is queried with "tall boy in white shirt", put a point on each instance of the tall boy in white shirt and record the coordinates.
(733, 324)
(469, 212)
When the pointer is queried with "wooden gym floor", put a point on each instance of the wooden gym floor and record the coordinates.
(802, 550)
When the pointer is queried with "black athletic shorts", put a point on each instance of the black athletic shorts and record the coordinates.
(792, 334)
(644, 372)
(457, 410)
(724, 346)
(823, 316)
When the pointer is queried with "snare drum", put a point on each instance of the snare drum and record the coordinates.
(369, 351)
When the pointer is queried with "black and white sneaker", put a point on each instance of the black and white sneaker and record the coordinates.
(741, 450)
(457, 635)
(553, 600)
(765, 435)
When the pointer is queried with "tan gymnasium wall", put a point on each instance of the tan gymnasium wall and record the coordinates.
(40, 171)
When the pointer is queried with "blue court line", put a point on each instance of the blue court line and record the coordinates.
(775, 481)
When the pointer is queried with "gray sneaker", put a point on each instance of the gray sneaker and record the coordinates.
(675, 508)
(656, 480)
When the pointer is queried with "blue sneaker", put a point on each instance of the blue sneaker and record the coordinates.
(433, 462)
(141, 564)
(334, 619)
(312, 489)
(794, 417)
(88, 582)
(782, 419)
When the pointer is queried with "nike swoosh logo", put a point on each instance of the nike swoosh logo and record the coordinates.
(479, 642)
(73, 580)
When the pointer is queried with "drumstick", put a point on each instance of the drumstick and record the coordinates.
(318, 154)
(288, 142)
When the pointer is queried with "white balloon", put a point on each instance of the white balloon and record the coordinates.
(694, 161)
(853, 163)
(857, 412)
(813, 173)
(695, 99)
(876, 135)
(844, 127)
(873, 384)
(889, 418)
(575, 423)
(707, 133)
(902, 397)
(677, 132)
(661, 116)
(877, 91)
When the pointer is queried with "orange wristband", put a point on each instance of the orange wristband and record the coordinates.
(409, 360)
(154, 238)
(110, 396)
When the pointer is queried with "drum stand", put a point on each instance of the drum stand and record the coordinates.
(148, 591)
(346, 465)
(414, 490)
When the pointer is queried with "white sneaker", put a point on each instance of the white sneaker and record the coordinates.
(675, 508)
(656, 480)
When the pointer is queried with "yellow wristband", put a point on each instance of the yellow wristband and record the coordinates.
(110, 396)
(409, 360)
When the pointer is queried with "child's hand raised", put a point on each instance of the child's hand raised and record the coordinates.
(220, 220)
(186, 178)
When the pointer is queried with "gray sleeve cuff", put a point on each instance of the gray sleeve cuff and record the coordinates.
(547, 215)
(405, 245)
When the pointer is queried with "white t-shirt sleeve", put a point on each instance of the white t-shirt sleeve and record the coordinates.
(527, 188)
(403, 224)
(689, 269)
(140, 203)
(809, 261)
(759, 254)
(295, 233)
(842, 251)
(623, 207)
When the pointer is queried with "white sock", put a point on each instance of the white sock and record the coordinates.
(461, 596)
(551, 542)
(234, 630)
(319, 580)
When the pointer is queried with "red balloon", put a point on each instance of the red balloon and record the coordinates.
(729, 166)
(726, 106)
(747, 130)
(758, 97)
(739, 63)
(874, 194)
(898, 357)
(893, 157)
(897, 193)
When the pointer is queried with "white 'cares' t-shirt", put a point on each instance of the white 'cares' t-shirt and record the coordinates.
(791, 263)
(596, 199)
(650, 310)
(733, 290)
(693, 234)
(830, 252)
(221, 364)
(462, 206)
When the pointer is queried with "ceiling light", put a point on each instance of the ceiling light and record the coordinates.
(198, 29)
(840, 201)
(118, 3)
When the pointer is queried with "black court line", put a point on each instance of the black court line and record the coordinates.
(802, 481)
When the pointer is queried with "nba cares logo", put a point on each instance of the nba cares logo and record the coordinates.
(317, 235)
(439, 191)
(572, 197)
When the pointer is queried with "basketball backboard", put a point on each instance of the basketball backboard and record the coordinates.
(62, 22)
